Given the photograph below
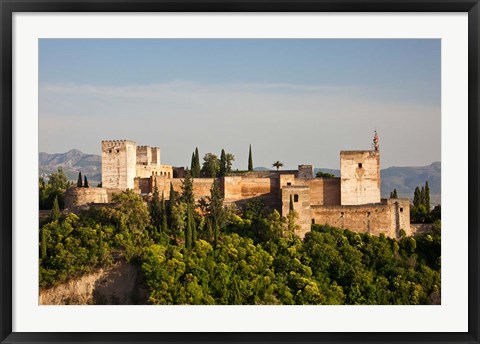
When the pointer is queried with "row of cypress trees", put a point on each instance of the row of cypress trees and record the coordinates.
(82, 182)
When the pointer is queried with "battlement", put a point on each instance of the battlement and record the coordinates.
(116, 142)
(358, 152)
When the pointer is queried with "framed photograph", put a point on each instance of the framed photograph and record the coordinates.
(239, 171)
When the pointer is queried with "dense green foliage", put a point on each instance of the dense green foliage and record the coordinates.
(421, 211)
(321, 174)
(222, 258)
(54, 188)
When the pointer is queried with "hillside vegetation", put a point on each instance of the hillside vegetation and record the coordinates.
(215, 256)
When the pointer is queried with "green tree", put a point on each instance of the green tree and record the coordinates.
(58, 180)
(216, 210)
(192, 164)
(422, 196)
(85, 182)
(427, 197)
(321, 174)
(394, 194)
(416, 197)
(211, 165)
(163, 217)
(80, 180)
(55, 213)
(230, 159)
(250, 159)
(196, 171)
(277, 164)
(223, 164)
(43, 243)
(155, 208)
(187, 189)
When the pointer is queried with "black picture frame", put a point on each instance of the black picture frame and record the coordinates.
(9, 7)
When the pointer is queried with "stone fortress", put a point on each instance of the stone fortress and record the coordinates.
(352, 201)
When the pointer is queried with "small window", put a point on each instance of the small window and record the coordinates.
(368, 213)
(341, 214)
(295, 198)
(401, 210)
(109, 151)
(359, 165)
(313, 221)
(289, 183)
(118, 150)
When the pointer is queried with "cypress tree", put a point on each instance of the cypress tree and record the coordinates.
(416, 197)
(55, 213)
(394, 194)
(427, 196)
(85, 182)
(80, 180)
(196, 171)
(155, 208)
(163, 222)
(187, 189)
(100, 242)
(422, 196)
(223, 164)
(250, 160)
(291, 209)
(43, 244)
(171, 203)
(189, 227)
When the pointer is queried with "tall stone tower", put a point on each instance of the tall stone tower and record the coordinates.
(360, 176)
(118, 164)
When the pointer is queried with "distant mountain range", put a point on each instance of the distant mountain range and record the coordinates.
(72, 162)
(404, 179)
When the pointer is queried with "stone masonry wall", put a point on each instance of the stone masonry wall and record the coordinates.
(373, 219)
(76, 196)
(239, 188)
(301, 204)
(360, 177)
(118, 164)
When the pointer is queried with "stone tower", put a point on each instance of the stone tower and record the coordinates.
(118, 164)
(360, 176)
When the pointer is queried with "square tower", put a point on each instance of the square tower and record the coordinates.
(118, 164)
(359, 177)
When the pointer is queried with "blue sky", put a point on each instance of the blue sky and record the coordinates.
(295, 100)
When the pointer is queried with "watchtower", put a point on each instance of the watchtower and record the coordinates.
(360, 176)
(118, 164)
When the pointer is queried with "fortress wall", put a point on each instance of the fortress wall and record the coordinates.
(238, 188)
(77, 196)
(360, 177)
(301, 204)
(324, 191)
(400, 215)
(201, 186)
(373, 219)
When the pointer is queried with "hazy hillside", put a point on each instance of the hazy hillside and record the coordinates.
(404, 179)
(72, 162)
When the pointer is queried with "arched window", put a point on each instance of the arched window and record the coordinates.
(295, 198)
